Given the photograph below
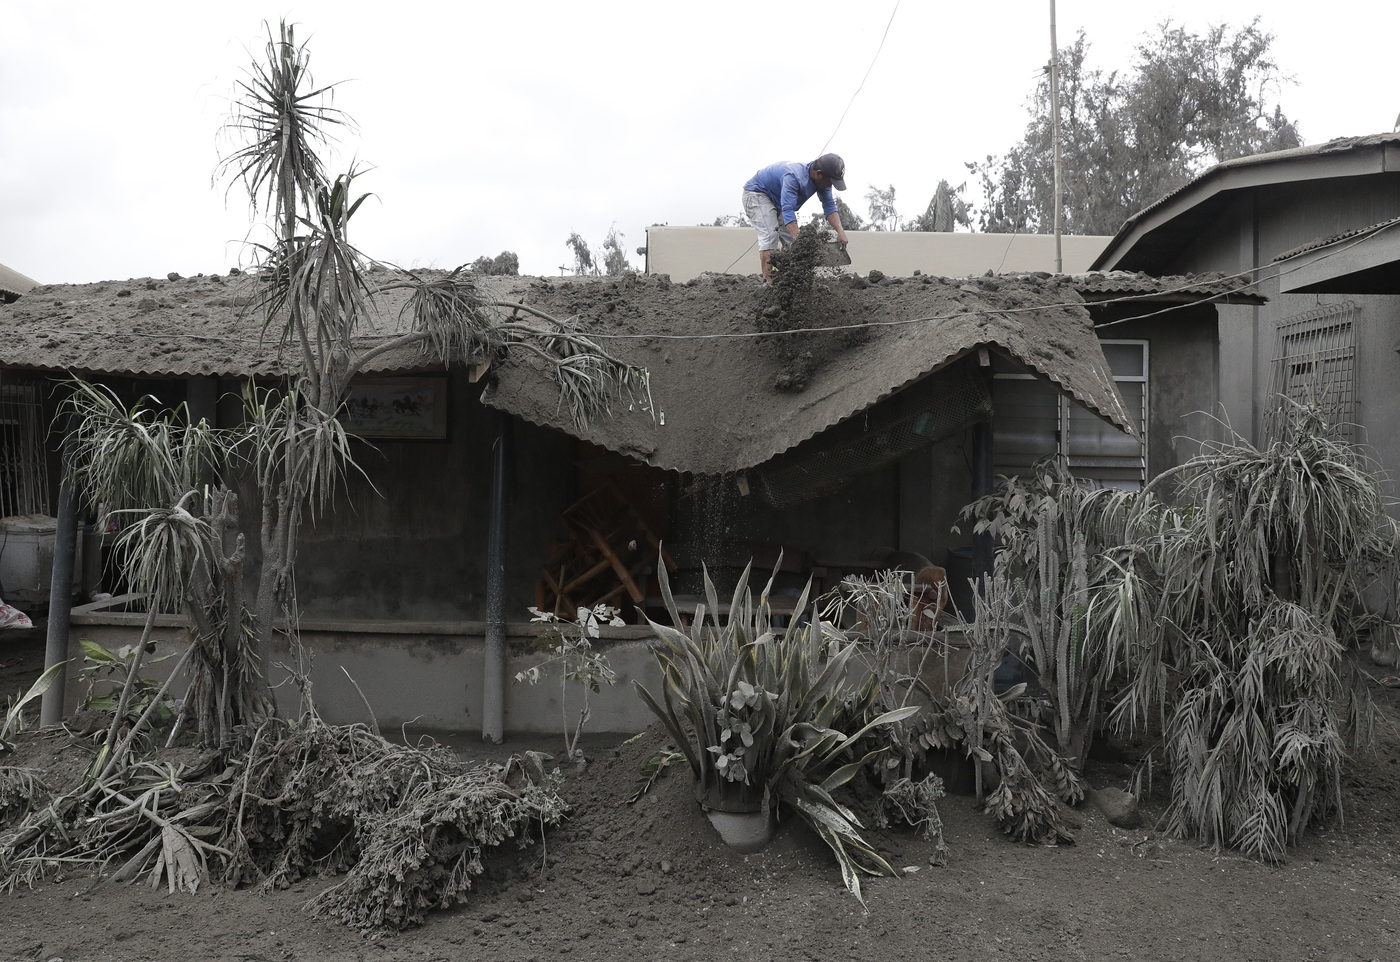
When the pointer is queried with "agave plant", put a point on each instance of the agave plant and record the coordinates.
(762, 712)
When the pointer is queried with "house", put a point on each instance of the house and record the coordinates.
(836, 435)
(1317, 230)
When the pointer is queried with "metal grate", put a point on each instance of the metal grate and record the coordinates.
(1315, 367)
(937, 407)
(24, 475)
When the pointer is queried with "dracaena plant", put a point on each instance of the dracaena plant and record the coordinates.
(1241, 612)
(763, 712)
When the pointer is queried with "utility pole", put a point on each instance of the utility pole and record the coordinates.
(1055, 131)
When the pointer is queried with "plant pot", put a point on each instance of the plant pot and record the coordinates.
(744, 831)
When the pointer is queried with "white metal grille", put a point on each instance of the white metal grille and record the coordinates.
(1315, 367)
(24, 476)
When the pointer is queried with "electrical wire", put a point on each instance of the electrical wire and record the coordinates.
(873, 61)
(842, 118)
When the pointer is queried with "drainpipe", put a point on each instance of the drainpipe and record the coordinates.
(60, 599)
(493, 686)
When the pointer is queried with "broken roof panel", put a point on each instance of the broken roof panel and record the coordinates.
(1100, 286)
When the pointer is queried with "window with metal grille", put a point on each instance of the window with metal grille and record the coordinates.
(1315, 367)
(1034, 420)
(24, 477)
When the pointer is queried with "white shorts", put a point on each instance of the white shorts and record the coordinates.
(764, 217)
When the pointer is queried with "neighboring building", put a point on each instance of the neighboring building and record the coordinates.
(1317, 229)
(14, 285)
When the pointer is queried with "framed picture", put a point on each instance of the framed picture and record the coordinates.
(397, 407)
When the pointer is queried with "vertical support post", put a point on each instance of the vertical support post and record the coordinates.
(1055, 134)
(494, 663)
(981, 487)
(982, 474)
(60, 598)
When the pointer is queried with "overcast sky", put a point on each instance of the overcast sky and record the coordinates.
(508, 125)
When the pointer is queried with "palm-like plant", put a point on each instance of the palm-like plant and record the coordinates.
(763, 712)
(282, 117)
(179, 547)
(314, 291)
(1242, 607)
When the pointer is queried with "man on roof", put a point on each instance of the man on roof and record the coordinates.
(773, 195)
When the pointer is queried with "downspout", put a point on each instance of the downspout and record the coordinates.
(60, 599)
(493, 684)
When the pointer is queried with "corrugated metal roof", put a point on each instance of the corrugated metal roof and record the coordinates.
(714, 379)
(191, 326)
(1097, 286)
(718, 410)
(1331, 239)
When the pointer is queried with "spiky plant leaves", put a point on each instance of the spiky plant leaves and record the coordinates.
(283, 119)
(1231, 618)
(22, 790)
(14, 712)
(138, 457)
(654, 768)
(790, 687)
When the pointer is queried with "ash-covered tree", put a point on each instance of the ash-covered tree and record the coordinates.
(614, 257)
(945, 212)
(584, 262)
(504, 264)
(610, 259)
(883, 215)
(850, 220)
(1188, 101)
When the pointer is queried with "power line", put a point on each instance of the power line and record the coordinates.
(873, 60)
(842, 118)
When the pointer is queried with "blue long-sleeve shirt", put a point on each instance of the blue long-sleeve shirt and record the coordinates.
(788, 185)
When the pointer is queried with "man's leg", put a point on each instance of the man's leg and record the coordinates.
(766, 223)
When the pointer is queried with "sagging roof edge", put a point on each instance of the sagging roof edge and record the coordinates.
(1118, 419)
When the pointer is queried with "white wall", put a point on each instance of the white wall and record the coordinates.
(686, 252)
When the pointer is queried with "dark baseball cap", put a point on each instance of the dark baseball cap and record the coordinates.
(834, 168)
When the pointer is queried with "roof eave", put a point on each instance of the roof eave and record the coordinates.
(1245, 173)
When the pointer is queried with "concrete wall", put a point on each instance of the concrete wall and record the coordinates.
(408, 538)
(686, 252)
(420, 674)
